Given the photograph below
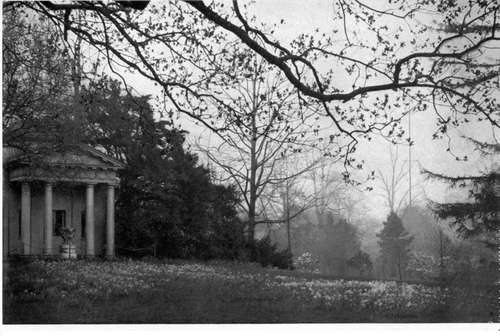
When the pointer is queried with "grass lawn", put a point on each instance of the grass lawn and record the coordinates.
(220, 292)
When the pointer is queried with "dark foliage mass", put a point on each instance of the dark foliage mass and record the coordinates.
(267, 253)
(362, 262)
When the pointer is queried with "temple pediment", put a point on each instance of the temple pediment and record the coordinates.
(84, 157)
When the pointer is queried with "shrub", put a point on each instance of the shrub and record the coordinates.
(267, 254)
(362, 263)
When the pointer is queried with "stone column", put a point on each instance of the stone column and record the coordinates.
(89, 220)
(26, 217)
(110, 222)
(48, 219)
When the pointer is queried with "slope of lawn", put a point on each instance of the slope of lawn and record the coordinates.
(187, 292)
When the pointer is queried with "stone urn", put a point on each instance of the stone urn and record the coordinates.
(68, 248)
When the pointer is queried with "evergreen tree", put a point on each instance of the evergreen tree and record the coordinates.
(394, 243)
(477, 216)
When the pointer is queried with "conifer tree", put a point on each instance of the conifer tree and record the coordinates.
(394, 243)
(478, 216)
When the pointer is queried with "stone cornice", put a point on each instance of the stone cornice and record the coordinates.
(74, 175)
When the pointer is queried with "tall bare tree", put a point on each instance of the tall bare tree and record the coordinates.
(394, 182)
(290, 197)
(260, 122)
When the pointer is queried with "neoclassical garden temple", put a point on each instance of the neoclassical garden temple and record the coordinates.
(42, 197)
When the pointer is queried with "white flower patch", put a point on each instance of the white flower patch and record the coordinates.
(104, 279)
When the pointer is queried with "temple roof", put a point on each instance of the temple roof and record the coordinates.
(82, 164)
(82, 156)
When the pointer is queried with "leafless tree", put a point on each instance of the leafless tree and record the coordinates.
(260, 125)
(375, 50)
(331, 193)
(290, 197)
(395, 182)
